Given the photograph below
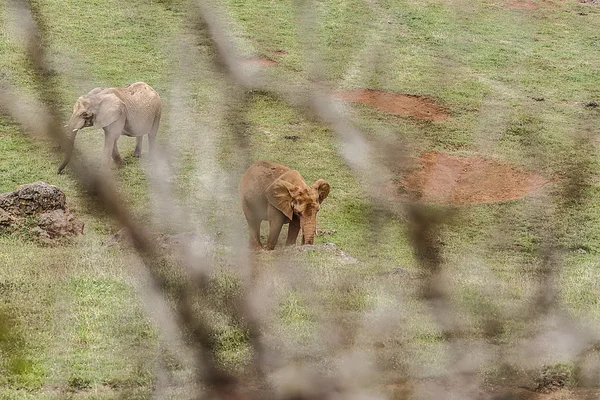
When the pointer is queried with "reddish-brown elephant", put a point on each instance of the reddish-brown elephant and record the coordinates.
(275, 193)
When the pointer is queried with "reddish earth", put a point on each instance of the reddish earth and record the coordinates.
(522, 5)
(262, 61)
(420, 107)
(443, 178)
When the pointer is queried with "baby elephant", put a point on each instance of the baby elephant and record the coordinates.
(273, 192)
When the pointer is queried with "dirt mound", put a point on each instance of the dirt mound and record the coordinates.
(420, 107)
(465, 180)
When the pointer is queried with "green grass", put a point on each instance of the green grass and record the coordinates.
(77, 325)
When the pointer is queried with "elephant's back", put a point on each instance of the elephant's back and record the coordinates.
(258, 177)
(143, 95)
(143, 106)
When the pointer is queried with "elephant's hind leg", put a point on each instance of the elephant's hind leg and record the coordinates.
(152, 134)
(138, 146)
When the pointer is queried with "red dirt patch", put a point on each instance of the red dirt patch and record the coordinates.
(420, 107)
(466, 180)
(262, 61)
(533, 4)
(522, 5)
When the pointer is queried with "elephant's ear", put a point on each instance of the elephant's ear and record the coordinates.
(323, 188)
(279, 194)
(109, 109)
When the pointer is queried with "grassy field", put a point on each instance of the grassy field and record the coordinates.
(75, 321)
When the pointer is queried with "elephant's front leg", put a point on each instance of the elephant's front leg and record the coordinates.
(116, 156)
(111, 134)
(253, 227)
(276, 220)
(293, 231)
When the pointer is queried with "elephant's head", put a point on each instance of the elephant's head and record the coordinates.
(97, 108)
(299, 199)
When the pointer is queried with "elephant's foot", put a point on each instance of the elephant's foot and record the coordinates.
(254, 246)
(120, 163)
(137, 154)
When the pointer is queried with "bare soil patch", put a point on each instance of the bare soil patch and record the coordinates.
(262, 61)
(523, 5)
(420, 107)
(443, 178)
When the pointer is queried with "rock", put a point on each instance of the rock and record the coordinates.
(33, 198)
(6, 219)
(47, 201)
(59, 223)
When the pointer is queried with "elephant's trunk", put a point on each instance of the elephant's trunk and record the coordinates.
(309, 228)
(74, 126)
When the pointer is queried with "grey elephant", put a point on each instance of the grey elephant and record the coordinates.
(275, 193)
(132, 111)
